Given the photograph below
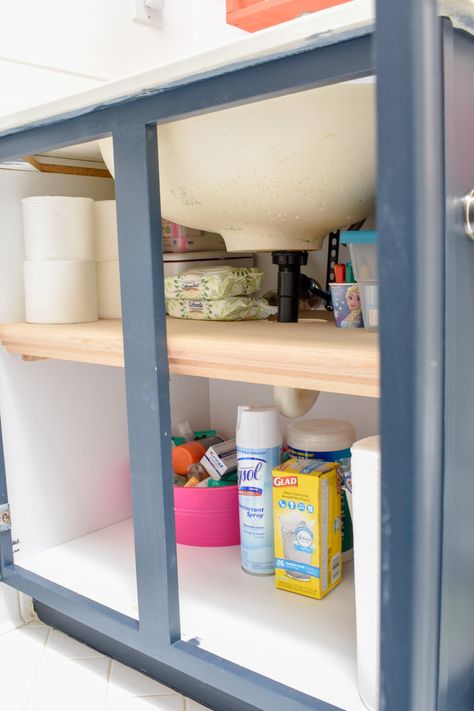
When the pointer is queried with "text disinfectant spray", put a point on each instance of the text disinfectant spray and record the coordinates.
(259, 443)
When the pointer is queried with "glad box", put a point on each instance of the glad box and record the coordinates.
(307, 526)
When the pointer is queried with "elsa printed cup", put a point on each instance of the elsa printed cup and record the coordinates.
(347, 306)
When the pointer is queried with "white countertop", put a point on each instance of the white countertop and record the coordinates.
(349, 19)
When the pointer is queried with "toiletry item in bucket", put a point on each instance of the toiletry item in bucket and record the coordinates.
(346, 304)
(307, 511)
(331, 441)
(220, 459)
(259, 442)
(189, 453)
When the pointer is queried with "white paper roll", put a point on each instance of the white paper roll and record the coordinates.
(58, 291)
(108, 289)
(105, 231)
(58, 228)
(366, 518)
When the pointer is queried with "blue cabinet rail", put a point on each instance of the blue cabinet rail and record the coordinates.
(425, 164)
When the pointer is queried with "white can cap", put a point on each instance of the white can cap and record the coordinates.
(321, 435)
(258, 427)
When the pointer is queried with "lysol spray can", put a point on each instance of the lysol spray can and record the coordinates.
(259, 442)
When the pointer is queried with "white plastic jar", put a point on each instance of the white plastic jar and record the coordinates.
(330, 440)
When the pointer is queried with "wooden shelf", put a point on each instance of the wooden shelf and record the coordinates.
(312, 354)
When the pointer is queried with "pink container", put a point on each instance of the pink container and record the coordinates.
(207, 517)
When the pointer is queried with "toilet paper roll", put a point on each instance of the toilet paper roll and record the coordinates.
(58, 228)
(58, 291)
(108, 289)
(105, 231)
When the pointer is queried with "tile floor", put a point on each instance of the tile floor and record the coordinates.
(42, 669)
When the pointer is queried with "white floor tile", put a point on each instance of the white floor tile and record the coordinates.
(45, 670)
(10, 616)
(128, 682)
(60, 643)
(146, 703)
(21, 652)
(69, 684)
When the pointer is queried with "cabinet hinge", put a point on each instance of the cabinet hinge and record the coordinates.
(5, 520)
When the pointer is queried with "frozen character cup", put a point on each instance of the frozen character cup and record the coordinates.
(346, 304)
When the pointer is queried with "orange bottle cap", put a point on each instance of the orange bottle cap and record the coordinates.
(186, 454)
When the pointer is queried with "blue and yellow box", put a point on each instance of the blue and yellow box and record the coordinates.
(307, 525)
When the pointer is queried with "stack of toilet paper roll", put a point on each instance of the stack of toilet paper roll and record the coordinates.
(60, 270)
(106, 252)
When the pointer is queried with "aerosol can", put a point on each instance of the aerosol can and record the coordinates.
(259, 443)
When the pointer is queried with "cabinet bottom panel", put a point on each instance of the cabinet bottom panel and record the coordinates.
(308, 645)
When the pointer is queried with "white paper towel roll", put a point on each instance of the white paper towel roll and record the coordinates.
(108, 289)
(366, 519)
(105, 231)
(58, 291)
(58, 228)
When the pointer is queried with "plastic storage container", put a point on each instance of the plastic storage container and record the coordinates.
(369, 299)
(363, 250)
(366, 516)
(330, 440)
(207, 517)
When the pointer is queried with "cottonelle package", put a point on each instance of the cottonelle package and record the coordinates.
(307, 526)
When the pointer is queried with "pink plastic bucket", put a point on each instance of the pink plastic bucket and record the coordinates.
(207, 516)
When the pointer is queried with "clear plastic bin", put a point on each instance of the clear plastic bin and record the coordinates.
(369, 299)
(363, 250)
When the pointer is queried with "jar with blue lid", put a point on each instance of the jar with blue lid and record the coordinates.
(330, 440)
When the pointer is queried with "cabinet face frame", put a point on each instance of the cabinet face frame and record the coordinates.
(153, 643)
(411, 208)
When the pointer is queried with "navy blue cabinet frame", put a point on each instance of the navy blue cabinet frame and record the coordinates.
(427, 651)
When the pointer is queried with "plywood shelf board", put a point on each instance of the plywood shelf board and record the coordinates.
(306, 644)
(311, 354)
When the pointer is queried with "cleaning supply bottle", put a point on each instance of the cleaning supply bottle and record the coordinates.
(259, 444)
(331, 441)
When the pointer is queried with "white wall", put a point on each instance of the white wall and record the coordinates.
(99, 37)
(226, 396)
(53, 48)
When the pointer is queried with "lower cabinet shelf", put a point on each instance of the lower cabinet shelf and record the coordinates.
(309, 645)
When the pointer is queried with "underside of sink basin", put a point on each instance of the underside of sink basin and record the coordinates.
(273, 175)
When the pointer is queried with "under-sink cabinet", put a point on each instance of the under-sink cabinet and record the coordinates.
(185, 616)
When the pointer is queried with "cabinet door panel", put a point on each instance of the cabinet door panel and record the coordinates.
(457, 608)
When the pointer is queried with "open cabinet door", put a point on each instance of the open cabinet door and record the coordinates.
(456, 679)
